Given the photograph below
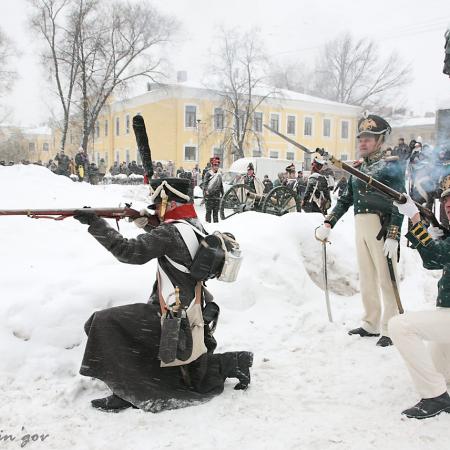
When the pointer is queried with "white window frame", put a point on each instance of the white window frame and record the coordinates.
(117, 156)
(323, 127)
(348, 130)
(279, 120)
(117, 126)
(344, 155)
(32, 147)
(312, 126)
(214, 118)
(127, 124)
(257, 153)
(262, 121)
(274, 151)
(43, 147)
(106, 128)
(197, 110)
(295, 124)
(196, 153)
(293, 153)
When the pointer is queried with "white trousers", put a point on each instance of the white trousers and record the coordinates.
(374, 275)
(429, 366)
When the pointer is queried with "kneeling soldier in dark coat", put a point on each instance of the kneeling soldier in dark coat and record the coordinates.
(428, 365)
(123, 342)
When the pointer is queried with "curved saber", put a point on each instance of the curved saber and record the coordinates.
(325, 274)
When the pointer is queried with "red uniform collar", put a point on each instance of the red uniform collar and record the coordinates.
(186, 211)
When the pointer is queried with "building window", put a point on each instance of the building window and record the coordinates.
(106, 128)
(127, 156)
(218, 152)
(190, 153)
(106, 158)
(257, 153)
(432, 136)
(290, 124)
(117, 126)
(118, 156)
(218, 119)
(127, 124)
(275, 122)
(190, 116)
(308, 126)
(273, 154)
(344, 157)
(290, 156)
(258, 121)
(97, 129)
(326, 127)
(240, 122)
(31, 146)
(344, 129)
(45, 146)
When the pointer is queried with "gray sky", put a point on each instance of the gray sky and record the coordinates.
(293, 29)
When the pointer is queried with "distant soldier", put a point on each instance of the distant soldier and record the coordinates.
(82, 163)
(301, 184)
(280, 179)
(268, 185)
(291, 179)
(213, 190)
(115, 169)
(317, 195)
(377, 229)
(63, 163)
(249, 178)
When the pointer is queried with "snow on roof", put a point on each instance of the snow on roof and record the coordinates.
(413, 122)
(38, 130)
(282, 94)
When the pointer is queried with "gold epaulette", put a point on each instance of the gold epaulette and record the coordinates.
(421, 234)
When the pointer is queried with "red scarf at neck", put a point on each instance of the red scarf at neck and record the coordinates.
(185, 211)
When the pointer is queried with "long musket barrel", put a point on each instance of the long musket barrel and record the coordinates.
(60, 214)
(388, 191)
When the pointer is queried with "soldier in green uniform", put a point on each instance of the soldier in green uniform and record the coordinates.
(377, 229)
(429, 366)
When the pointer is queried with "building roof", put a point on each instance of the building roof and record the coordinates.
(413, 122)
(195, 89)
(38, 130)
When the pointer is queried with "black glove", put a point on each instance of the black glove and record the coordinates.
(85, 216)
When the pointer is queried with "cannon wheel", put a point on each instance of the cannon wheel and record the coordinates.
(235, 201)
(281, 200)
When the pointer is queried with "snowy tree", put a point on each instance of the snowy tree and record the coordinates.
(352, 71)
(7, 51)
(118, 42)
(57, 23)
(238, 74)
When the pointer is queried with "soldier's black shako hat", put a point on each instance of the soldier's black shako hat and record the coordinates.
(176, 189)
(373, 125)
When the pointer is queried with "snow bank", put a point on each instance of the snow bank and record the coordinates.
(313, 386)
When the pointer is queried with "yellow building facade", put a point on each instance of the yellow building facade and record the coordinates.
(187, 124)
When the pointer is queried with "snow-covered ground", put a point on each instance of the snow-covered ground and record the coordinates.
(313, 386)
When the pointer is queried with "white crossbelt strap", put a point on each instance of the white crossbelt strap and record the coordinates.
(189, 235)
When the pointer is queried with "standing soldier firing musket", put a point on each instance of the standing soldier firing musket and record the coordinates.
(377, 229)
